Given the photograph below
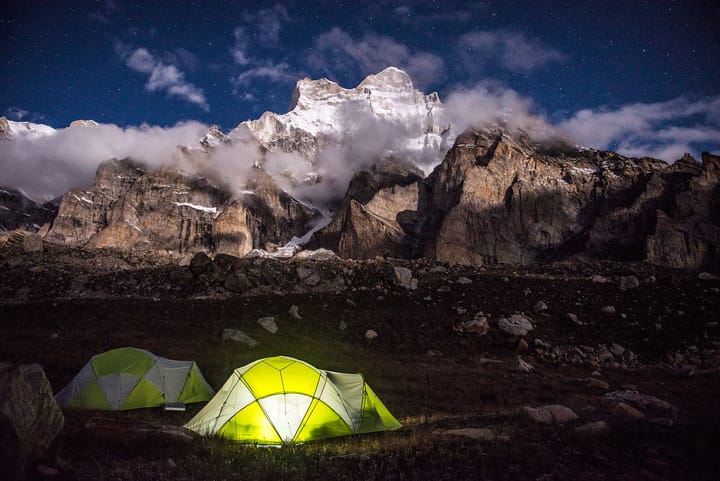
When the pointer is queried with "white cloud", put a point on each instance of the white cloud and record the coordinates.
(46, 167)
(272, 72)
(268, 23)
(664, 130)
(490, 103)
(16, 113)
(163, 76)
(261, 30)
(336, 51)
(513, 51)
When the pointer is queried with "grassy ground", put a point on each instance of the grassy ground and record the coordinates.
(452, 386)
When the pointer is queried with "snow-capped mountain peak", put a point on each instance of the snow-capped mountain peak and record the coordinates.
(322, 112)
(9, 129)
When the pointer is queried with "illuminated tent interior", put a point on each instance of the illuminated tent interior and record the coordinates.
(130, 378)
(281, 400)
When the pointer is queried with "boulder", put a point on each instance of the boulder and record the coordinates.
(650, 406)
(478, 325)
(269, 324)
(32, 243)
(516, 325)
(30, 418)
(404, 278)
(238, 336)
(201, 264)
(551, 414)
(596, 427)
(628, 282)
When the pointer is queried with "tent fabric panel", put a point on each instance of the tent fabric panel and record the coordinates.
(332, 398)
(169, 376)
(350, 390)
(300, 378)
(250, 425)
(321, 422)
(128, 360)
(196, 388)
(286, 412)
(79, 382)
(279, 362)
(263, 380)
(90, 397)
(231, 398)
(375, 416)
(117, 387)
(144, 395)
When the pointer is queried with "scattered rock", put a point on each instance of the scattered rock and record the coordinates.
(598, 384)
(463, 281)
(598, 279)
(32, 243)
(561, 414)
(540, 306)
(522, 365)
(538, 415)
(551, 414)
(201, 264)
(316, 255)
(703, 276)
(294, 313)
(650, 406)
(404, 278)
(626, 411)
(30, 418)
(522, 345)
(617, 350)
(269, 324)
(478, 325)
(444, 288)
(628, 282)
(574, 319)
(608, 309)
(516, 325)
(238, 336)
(370, 334)
(596, 427)
(342, 326)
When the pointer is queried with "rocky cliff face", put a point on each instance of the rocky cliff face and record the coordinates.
(17, 211)
(128, 207)
(376, 214)
(500, 198)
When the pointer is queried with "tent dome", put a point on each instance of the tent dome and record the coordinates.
(281, 400)
(130, 378)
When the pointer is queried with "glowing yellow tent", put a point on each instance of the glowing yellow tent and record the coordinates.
(281, 400)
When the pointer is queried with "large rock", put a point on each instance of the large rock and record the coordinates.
(516, 325)
(30, 418)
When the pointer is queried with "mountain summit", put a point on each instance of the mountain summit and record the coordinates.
(322, 112)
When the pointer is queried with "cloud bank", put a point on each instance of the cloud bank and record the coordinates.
(664, 130)
(46, 167)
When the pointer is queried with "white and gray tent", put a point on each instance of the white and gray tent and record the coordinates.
(130, 378)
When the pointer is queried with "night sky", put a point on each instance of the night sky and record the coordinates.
(640, 77)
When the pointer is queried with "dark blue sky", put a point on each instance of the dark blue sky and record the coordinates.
(161, 62)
